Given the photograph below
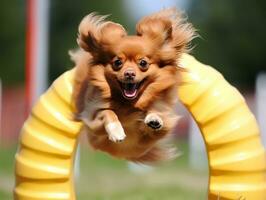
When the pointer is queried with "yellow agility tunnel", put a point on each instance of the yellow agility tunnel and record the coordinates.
(237, 162)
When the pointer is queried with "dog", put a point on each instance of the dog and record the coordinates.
(125, 86)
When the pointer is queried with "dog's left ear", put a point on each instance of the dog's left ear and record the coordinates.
(168, 30)
(96, 35)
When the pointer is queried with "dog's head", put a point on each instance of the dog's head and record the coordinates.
(131, 64)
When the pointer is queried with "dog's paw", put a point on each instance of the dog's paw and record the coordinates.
(153, 121)
(115, 132)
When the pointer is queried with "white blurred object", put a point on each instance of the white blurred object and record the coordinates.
(139, 168)
(197, 151)
(261, 104)
(139, 8)
(77, 163)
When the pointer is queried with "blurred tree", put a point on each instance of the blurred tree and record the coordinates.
(12, 39)
(233, 37)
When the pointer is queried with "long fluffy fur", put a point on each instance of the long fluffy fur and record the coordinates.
(169, 29)
(161, 37)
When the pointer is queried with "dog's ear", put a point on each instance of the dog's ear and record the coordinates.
(97, 35)
(168, 31)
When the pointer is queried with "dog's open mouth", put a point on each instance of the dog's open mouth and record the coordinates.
(130, 89)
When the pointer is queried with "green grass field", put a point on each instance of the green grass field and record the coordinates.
(105, 178)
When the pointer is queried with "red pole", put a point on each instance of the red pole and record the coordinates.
(30, 53)
(37, 28)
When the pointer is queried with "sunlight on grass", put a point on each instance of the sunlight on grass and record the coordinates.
(105, 178)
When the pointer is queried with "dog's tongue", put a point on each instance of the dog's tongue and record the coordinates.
(130, 90)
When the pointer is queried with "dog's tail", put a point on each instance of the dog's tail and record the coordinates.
(79, 56)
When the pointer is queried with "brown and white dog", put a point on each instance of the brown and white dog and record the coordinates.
(125, 86)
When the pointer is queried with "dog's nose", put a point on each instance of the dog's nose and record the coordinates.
(129, 74)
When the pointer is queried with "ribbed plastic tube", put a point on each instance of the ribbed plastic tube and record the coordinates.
(237, 163)
(44, 161)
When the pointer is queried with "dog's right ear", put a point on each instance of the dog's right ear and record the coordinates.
(97, 35)
(169, 32)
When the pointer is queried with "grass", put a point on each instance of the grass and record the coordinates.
(105, 178)
(6, 172)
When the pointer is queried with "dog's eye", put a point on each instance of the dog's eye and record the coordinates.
(117, 64)
(143, 64)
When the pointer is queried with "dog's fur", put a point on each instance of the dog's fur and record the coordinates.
(130, 128)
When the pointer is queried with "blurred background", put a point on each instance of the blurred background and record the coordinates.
(232, 40)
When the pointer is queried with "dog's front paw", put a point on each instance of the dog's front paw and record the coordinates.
(153, 121)
(115, 132)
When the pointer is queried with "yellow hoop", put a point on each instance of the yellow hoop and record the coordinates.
(237, 162)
